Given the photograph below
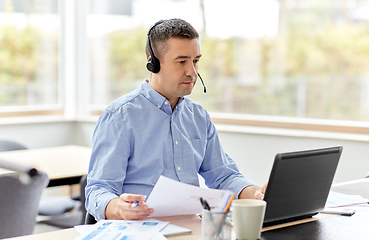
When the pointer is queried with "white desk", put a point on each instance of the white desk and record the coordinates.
(322, 227)
(192, 222)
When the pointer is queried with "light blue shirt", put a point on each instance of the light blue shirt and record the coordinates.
(138, 138)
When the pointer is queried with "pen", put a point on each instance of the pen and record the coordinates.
(135, 204)
(221, 221)
(204, 204)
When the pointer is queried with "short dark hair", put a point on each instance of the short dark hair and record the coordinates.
(159, 35)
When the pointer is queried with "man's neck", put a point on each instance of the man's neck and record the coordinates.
(172, 101)
(173, 104)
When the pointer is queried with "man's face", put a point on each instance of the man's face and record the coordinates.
(178, 68)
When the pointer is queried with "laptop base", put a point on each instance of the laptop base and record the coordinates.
(287, 220)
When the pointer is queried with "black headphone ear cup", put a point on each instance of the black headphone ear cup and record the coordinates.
(153, 65)
(150, 66)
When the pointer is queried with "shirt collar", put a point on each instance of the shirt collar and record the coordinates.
(156, 98)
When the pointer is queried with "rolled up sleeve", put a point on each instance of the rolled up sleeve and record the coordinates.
(108, 164)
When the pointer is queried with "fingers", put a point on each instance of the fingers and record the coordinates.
(138, 212)
(127, 197)
(126, 211)
(263, 189)
(259, 194)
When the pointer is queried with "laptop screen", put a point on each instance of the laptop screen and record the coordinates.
(299, 184)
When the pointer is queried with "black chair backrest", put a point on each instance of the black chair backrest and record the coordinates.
(83, 183)
(90, 219)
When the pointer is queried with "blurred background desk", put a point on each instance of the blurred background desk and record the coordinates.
(64, 165)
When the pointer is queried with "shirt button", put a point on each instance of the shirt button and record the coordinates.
(176, 142)
(179, 168)
(166, 103)
(158, 106)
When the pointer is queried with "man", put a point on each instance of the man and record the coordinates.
(155, 130)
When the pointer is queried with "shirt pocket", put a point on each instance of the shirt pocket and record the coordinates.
(199, 148)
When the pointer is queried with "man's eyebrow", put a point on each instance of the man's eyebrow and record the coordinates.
(182, 56)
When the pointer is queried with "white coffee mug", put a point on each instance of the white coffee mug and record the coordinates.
(248, 217)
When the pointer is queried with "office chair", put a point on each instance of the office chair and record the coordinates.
(19, 204)
(90, 219)
(7, 145)
(71, 219)
(49, 205)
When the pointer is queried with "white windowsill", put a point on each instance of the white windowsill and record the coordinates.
(33, 119)
(291, 133)
(220, 127)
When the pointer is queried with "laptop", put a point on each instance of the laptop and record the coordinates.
(299, 184)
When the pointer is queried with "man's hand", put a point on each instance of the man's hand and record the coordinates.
(253, 192)
(121, 208)
(259, 194)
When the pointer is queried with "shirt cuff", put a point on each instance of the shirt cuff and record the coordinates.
(101, 203)
(239, 184)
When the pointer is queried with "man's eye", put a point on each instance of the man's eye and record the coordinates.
(181, 62)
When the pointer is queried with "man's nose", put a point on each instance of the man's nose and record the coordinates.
(191, 70)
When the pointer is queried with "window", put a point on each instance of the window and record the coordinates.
(262, 59)
(305, 59)
(29, 55)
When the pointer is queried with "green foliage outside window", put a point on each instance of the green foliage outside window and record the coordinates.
(326, 66)
(17, 62)
(21, 66)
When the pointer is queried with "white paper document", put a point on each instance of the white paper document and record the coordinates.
(167, 231)
(124, 230)
(171, 229)
(340, 199)
(353, 187)
(170, 197)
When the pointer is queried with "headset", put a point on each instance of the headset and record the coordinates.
(153, 64)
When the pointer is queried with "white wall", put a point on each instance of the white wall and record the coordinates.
(253, 152)
(48, 133)
(38, 135)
